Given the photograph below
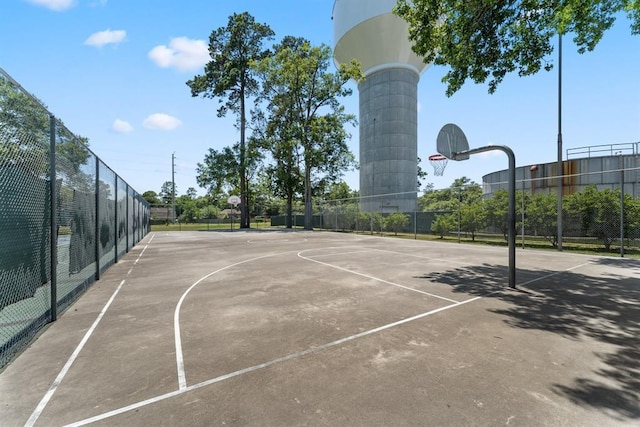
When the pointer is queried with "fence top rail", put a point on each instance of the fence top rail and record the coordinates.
(599, 150)
(78, 140)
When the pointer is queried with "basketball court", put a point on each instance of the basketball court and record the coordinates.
(317, 328)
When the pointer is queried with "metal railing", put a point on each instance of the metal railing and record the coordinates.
(604, 150)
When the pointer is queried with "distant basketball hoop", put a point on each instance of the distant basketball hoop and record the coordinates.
(439, 162)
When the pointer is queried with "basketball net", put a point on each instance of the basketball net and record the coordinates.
(439, 162)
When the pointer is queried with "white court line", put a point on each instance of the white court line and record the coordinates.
(182, 379)
(553, 274)
(65, 369)
(338, 253)
(264, 365)
(448, 260)
(373, 277)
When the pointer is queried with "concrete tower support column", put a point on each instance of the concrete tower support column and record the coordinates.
(388, 140)
(367, 30)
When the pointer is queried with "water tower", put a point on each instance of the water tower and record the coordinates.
(368, 31)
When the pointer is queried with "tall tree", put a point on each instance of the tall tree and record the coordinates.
(285, 177)
(229, 77)
(168, 192)
(151, 197)
(482, 40)
(297, 81)
(219, 172)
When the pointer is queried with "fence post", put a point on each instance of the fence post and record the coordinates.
(459, 207)
(126, 224)
(621, 206)
(522, 205)
(97, 230)
(115, 214)
(53, 196)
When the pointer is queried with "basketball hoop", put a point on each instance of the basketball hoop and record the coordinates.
(439, 162)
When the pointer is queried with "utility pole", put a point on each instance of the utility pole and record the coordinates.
(173, 187)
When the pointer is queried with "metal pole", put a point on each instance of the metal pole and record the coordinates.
(459, 206)
(621, 206)
(53, 196)
(522, 208)
(127, 216)
(97, 230)
(415, 225)
(511, 218)
(560, 171)
(173, 189)
(115, 220)
(511, 215)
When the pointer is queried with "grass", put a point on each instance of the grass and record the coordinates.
(590, 246)
(205, 226)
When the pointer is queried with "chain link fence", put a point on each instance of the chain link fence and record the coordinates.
(600, 213)
(65, 217)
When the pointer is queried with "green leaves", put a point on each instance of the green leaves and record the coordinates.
(484, 41)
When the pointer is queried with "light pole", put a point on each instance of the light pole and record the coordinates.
(560, 171)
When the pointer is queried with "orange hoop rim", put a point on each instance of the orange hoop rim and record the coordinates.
(437, 157)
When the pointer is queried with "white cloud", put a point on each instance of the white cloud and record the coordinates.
(57, 5)
(161, 121)
(105, 37)
(182, 53)
(121, 126)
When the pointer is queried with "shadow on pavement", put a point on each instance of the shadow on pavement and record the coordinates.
(605, 308)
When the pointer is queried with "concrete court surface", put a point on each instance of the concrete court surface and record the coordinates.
(275, 328)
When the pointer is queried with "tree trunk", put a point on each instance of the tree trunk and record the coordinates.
(289, 218)
(244, 197)
(308, 203)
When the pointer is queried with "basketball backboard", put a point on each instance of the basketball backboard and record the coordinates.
(451, 139)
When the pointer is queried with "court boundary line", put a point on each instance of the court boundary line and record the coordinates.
(275, 361)
(67, 366)
(373, 277)
(253, 368)
(182, 377)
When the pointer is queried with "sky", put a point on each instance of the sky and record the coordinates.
(114, 71)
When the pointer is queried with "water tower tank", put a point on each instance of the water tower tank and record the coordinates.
(368, 31)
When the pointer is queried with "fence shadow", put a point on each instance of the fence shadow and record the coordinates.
(605, 308)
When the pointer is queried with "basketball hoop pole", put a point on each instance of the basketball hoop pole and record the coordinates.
(511, 215)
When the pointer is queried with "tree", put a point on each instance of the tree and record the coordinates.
(339, 191)
(302, 98)
(229, 76)
(186, 208)
(542, 216)
(192, 193)
(482, 40)
(422, 174)
(168, 192)
(285, 177)
(497, 208)
(151, 197)
(209, 212)
(599, 213)
(443, 224)
(473, 218)
(462, 191)
(396, 222)
(25, 138)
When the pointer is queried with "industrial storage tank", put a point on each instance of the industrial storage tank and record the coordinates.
(607, 166)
